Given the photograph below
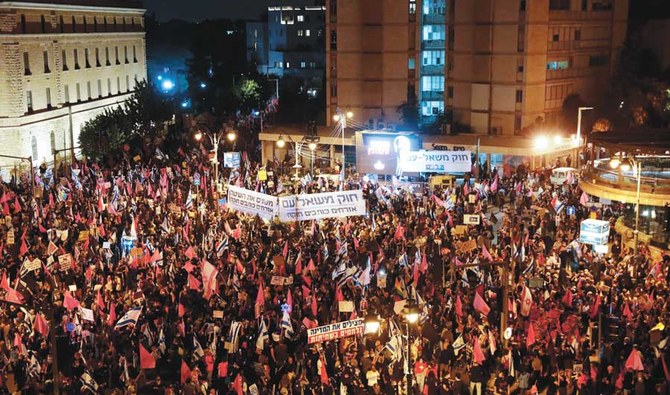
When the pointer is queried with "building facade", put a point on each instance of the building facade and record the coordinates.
(63, 63)
(495, 65)
(290, 44)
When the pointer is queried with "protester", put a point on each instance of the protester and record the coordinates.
(133, 277)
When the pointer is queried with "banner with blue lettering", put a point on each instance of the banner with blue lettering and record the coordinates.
(316, 206)
(435, 162)
(251, 202)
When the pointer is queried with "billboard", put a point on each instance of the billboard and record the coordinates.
(380, 152)
(435, 162)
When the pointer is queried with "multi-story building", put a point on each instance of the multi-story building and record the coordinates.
(64, 62)
(291, 44)
(495, 65)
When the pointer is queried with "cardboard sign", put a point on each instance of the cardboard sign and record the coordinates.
(36, 264)
(10, 237)
(459, 230)
(536, 282)
(83, 235)
(346, 306)
(87, 314)
(381, 282)
(218, 313)
(65, 261)
(472, 198)
(262, 175)
(466, 246)
(471, 219)
(281, 281)
(137, 158)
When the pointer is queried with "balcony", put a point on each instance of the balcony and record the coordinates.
(565, 16)
(432, 95)
(432, 69)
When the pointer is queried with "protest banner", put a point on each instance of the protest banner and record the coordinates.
(346, 306)
(35, 264)
(252, 203)
(335, 331)
(218, 313)
(436, 161)
(281, 280)
(65, 261)
(321, 205)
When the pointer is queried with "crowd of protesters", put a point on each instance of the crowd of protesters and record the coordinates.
(134, 277)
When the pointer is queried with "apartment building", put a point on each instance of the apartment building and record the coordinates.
(64, 62)
(495, 65)
(290, 44)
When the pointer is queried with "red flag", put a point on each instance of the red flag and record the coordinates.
(185, 372)
(634, 362)
(260, 300)
(399, 233)
(14, 296)
(313, 306)
(627, 313)
(477, 353)
(480, 305)
(188, 266)
(310, 266)
(101, 204)
(567, 298)
(298, 267)
(99, 301)
(459, 306)
(285, 251)
(530, 338)
(41, 326)
(193, 282)
(356, 243)
(4, 282)
(338, 295)
(415, 273)
(424, 263)
(24, 247)
(323, 373)
(237, 385)
(486, 253)
(17, 205)
(111, 320)
(69, 302)
(190, 254)
(180, 310)
(18, 343)
(147, 361)
(596, 307)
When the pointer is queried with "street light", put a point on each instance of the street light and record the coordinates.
(215, 139)
(341, 117)
(281, 142)
(412, 313)
(579, 132)
(412, 316)
(625, 165)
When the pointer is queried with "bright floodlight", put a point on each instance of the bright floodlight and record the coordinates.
(350, 114)
(281, 143)
(614, 163)
(412, 313)
(198, 135)
(231, 136)
(312, 146)
(371, 324)
(557, 139)
(167, 85)
(541, 142)
(336, 117)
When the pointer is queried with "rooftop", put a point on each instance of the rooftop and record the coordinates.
(86, 3)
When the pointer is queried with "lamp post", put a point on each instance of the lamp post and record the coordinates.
(312, 147)
(215, 139)
(579, 132)
(281, 143)
(626, 165)
(412, 317)
(341, 117)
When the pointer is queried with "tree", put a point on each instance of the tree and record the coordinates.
(148, 110)
(409, 111)
(602, 125)
(105, 134)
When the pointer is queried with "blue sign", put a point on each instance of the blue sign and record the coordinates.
(231, 160)
(70, 327)
(571, 210)
(196, 179)
(593, 238)
(595, 226)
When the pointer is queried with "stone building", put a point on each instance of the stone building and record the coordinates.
(62, 62)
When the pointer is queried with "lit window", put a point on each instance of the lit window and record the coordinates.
(303, 65)
(429, 108)
(288, 65)
(308, 33)
(411, 63)
(433, 58)
(301, 18)
(301, 33)
(433, 32)
(432, 83)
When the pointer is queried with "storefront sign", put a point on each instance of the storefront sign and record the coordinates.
(335, 331)
(435, 161)
(253, 203)
(321, 205)
(379, 153)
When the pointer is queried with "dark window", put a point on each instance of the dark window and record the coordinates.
(88, 65)
(24, 27)
(88, 90)
(555, 37)
(333, 10)
(134, 54)
(333, 90)
(450, 92)
(62, 24)
(519, 68)
(78, 92)
(519, 96)
(97, 57)
(45, 56)
(105, 22)
(107, 63)
(64, 60)
(99, 88)
(521, 39)
(76, 59)
(578, 35)
(585, 5)
(74, 24)
(26, 63)
(85, 24)
(109, 86)
(95, 23)
(48, 95)
(522, 5)
(602, 5)
(116, 25)
(517, 123)
(29, 100)
(125, 53)
(333, 40)
(558, 5)
(43, 24)
(116, 52)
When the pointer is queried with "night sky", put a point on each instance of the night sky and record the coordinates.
(195, 10)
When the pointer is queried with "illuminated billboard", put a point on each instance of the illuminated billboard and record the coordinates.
(381, 152)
